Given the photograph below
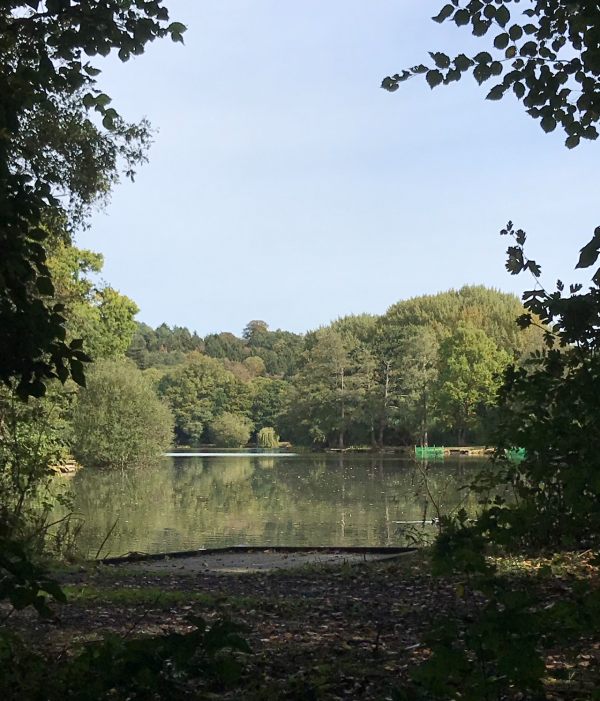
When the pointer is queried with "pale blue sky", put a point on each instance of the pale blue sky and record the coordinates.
(285, 185)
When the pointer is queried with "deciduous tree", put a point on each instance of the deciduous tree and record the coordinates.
(119, 421)
(200, 390)
(230, 430)
(96, 313)
(470, 374)
(50, 145)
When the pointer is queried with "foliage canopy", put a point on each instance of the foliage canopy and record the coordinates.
(231, 430)
(50, 144)
(119, 420)
(547, 54)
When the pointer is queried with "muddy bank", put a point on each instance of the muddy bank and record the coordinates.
(246, 559)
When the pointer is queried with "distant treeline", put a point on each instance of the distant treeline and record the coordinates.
(427, 369)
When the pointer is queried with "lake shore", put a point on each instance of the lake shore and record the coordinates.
(403, 450)
(342, 631)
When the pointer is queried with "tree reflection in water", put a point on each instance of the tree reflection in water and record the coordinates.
(194, 502)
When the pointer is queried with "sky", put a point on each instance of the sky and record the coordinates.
(285, 185)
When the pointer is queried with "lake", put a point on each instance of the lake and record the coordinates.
(204, 501)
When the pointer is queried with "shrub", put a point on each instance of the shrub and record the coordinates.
(231, 430)
(33, 439)
(119, 420)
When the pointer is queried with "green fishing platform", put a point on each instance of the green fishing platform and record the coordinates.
(429, 451)
(516, 454)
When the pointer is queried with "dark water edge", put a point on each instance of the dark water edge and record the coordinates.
(201, 501)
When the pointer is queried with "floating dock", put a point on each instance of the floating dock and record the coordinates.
(429, 451)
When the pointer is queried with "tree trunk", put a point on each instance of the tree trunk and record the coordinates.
(343, 414)
(386, 395)
(381, 431)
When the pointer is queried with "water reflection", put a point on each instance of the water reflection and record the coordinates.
(193, 502)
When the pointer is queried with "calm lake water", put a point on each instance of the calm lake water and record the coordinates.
(189, 502)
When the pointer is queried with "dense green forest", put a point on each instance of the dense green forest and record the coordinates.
(427, 369)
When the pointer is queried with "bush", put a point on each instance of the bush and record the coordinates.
(163, 666)
(119, 420)
(231, 430)
(33, 440)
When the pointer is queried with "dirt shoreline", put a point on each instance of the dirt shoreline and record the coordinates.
(242, 560)
(249, 558)
(329, 631)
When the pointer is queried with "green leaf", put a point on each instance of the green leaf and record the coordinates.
(480, 28)
(572, 141)
(400, 78)
(45, 286)
(588, 255)
(102, 100)
(108, 122)
(515, 32)
(489, 11)
(441, 60)
(63, 373)
(502, 16)
(177, 28)
(529, 48)
(389, 84)
(496, 93)
(91, 71)
(462, 62)
(481, 73)
(548, 123)
(483, 57)
(444, 13)
(89, 100)
(462, 17)
(37, 389)
(434, 78)
(77, 372)
(519, 89)
(501, 41)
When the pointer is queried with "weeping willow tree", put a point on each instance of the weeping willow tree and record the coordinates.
(267, 438)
